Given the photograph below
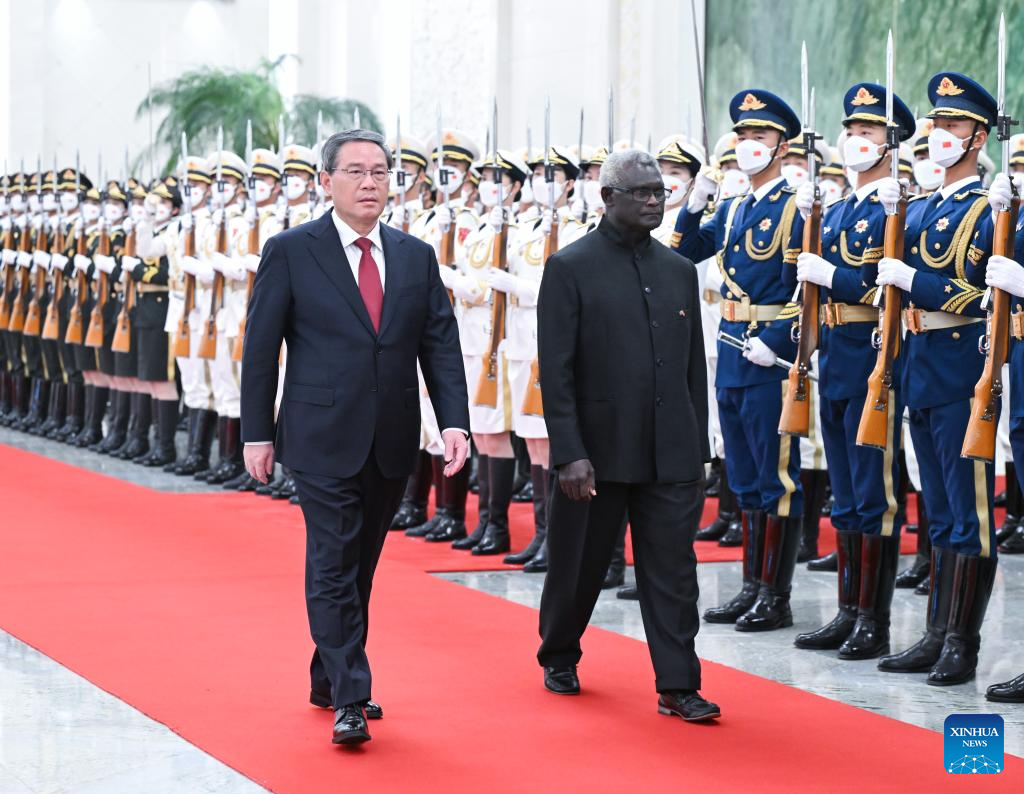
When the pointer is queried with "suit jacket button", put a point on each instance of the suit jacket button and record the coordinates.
(647, 290)
(659, 402)
(654, 323)
(373, 388)
(380, 349)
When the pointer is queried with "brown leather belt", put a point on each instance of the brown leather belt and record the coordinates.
(835, 314)
(712, 296)
(743, 311)
(919, 321)
(146, 288)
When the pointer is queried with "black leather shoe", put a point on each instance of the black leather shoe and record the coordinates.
(448, 531)
(539, 562)
(1014, 544)
(688, 705)
(372, 709)
(829, 563)
(1007, 692)
(733, 535)
(562, 680)
(409, 515)
(350, 725)
(628, 593)
(427, 527)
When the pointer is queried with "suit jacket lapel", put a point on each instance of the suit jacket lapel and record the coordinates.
(393, 273)
(325, 246)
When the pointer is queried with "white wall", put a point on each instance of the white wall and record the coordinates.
(73, 71)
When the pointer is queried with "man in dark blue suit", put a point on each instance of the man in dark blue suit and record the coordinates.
(358, 304)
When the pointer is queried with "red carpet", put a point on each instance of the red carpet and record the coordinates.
(190, 608)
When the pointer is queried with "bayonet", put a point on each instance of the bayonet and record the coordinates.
(700, 79)
(149, 107)
(186, 192)
(529, 143)
(280, 133)
(497, 163)
(611, 118)
(400, 173)
(632, 131)
(442, 172)
(355, 117)
(549, 170)
(583, 192)
(220, 173)
(893, 140)
(248, 162)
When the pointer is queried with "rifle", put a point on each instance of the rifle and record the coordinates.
(533, 405)
(208, 342)
(34, 317)
(182, 335)
(446, 250)
(487, 388)
(795, 419)
(5, 309)
(400, 176)
(873, 430)
(980, 440)
(122, 342)
(94, 336)
(76, 318)
(254, 247)
(17, 319)
(51, 328)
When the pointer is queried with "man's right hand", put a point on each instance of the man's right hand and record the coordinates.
(259, 461)
(576, 480)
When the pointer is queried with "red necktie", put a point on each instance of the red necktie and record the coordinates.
(369, 283)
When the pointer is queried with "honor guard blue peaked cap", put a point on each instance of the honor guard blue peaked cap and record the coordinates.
(756, 108)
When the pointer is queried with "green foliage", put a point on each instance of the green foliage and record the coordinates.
(200, 101)
(756, 44)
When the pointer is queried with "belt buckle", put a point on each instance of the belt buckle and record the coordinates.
(1017, 325)
(729, 311)
(831, 311)
(913, 318)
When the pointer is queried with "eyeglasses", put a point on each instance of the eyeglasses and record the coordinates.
(358, 174)
(644, 194)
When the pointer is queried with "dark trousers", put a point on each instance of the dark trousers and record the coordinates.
(581, 536)
(347, 521)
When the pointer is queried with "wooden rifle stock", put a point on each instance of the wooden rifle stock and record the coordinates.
(17, 322)
(94, 336)
(34, 316)
(873, 430)
(51, 328)
(980, 441)
(123, 333)
(208, 341)
(183, 334)
(76, 317)
(487, 387)
(254, 248)
(533, 405)
(446, 254)
(5, 299)
(795, 419)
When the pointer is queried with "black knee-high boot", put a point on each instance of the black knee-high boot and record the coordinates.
(440, 510)
(164, 453)
(870, 635)
(616, 573)
(771, 609)
(728, 513)
(483, 482)
(496, 539)
(413, 509)
(814, 482)
(540, 520)
(56, 409)
(92, 429)
(455, 491)
(753, 523)
(834, 633)
(117, 430)
(972, 586)
(539, 561)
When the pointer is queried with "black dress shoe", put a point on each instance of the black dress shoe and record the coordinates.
(733, 535)
(829, 562)
(628, 593)
(562, 680)
(1007, 692)
(321, 700)
(350, 725)
(448, 531)
(688, 705)
(373, 710)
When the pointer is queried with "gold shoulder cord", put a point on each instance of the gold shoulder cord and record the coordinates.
(962, 237)
(782, 230)
(735, 288)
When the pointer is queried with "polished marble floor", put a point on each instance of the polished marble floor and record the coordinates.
(773, 655)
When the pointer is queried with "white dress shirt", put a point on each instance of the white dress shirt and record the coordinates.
(957, 187)
(354, 253)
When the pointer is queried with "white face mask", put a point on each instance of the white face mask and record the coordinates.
(393, 186)
(454, 179)
(734, 183)
(197, 195)
(18, 202)
(526, 194)
(138, 212)
(225, 195)
(68, 202)
(592, 193)
(295, 188)
(752, 156)
(831, 192)
(945, 148)
(162, 213)
(542, 191)
(113, 212)
(90, 212)
(33, 203)
(860, 154)
(677, 186)
(489, 193)
(262, 191)
(49, 202)
(795, 175)
(929, 174)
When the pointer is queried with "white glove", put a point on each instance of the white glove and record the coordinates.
(78, 224)
(252, 262)
(82, 262)
(20, 222)
(5, 223)
(759, 353)
(24, 259)
(399, 215)
(129, 263)
(220, 262)
(466, 288)
(10, 256)
(448, 276)
(889, 194)
(37, 221)
(233, 269)
(127, 225)
(576, 208)
(546, 220)
(444, 218)
(281, 212)
(216, 217)
(1000, 192)
(58, 262)
(502, 281)
(1005, 274)
(811, 267)
(704, 188)
(805, 199)
(250, 213)
(896, 273)
(41, 259)
(104, 263)
(190, 265)
(496, 218)
(185, 221)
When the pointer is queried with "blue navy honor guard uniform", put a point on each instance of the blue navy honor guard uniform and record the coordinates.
(864, 479)
(755, 240)
(947, 244)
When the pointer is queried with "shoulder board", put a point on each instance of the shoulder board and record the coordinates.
(777, 195)
(873, 198)
(918, 197)
(789, 189)
(980, 191)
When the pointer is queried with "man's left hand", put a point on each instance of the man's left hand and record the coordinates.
(456, 450)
